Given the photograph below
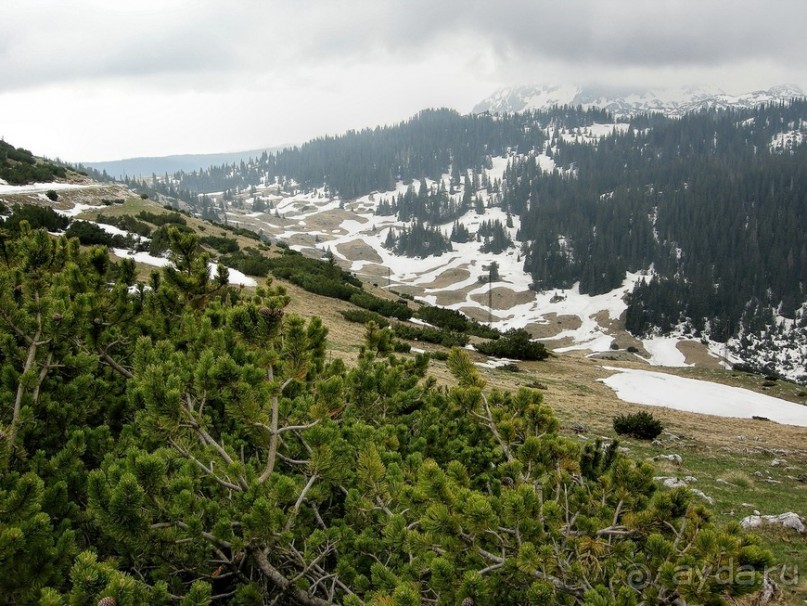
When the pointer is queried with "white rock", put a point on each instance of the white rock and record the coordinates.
(785, 520)
(777, 462)
(671, 482)
(690, 479)
(700, 494)
(672, 458)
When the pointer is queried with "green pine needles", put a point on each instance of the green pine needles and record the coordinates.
(192, 444)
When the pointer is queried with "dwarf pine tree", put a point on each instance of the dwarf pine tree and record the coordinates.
(191, 444)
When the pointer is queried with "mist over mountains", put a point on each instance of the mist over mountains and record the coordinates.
(624, 102)
(145, 166)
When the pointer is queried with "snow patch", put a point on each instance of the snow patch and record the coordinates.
(495, 363)
(664, 352)
(141, 257)
(235, 277)
(76, 210)
(786, 141)
(35, 188)
(691, 395)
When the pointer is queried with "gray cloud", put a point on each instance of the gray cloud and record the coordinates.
(210, 75)
(644, 33)
(87, 40)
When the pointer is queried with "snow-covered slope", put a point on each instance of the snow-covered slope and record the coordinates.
(624, 102)
(315, 223)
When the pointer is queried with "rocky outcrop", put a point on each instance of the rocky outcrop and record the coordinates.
(785, 520)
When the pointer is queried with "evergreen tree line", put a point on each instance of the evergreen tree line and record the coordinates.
(703, 199)
(719, 215)
(432, 204)
(417, 240)
(359, 162)
(432, 143)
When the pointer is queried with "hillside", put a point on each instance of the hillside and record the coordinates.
(18, 166)
(698, 220)
(731, 458)
(146, 166)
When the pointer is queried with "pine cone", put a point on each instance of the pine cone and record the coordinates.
(270, 314)
(468, 602)
(107, 601)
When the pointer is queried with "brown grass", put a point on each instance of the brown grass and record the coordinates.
(502, 297)
(554, 325)
(447, 278)
(358, 250)
(697, 353)
(453, 297)
(330, 221)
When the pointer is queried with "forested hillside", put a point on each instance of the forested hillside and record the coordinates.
(373, 159)
(187, 442)
(708, 200)
(713, 203)
(18, 166)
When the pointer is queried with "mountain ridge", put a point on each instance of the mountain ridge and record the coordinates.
(146, 165)
(624, 102)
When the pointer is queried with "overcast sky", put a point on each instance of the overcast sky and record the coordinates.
(107, 79)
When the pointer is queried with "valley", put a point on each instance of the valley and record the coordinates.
(403, 303)
(596, 370)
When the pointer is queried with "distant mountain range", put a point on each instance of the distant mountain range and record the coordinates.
(672, 102)
(145, 166)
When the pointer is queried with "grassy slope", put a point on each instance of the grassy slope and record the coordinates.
(731, 458)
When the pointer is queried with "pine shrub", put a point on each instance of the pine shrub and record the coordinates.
(641, 425)
(516, 344)
(363, 316)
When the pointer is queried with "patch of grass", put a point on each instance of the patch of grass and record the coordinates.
(131, 206)
(738, 479)
(741, 481)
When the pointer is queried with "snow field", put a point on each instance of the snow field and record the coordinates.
(703, 397)
(36, 188)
